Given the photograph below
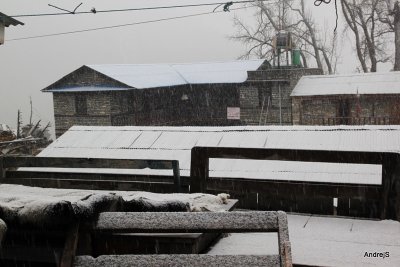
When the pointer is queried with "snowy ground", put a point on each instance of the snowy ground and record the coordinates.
(324, 241)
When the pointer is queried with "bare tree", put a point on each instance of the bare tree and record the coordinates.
(368, 21)
(291, 16)
(395, 26)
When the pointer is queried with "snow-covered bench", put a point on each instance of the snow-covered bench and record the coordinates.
(48, 172)
(181, 222)
(355, 198)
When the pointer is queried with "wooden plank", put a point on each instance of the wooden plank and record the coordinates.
(185, 181)
(283, 188)
(187, 222)
(50, 162)
(283, 240)
(292, 155)
(88, 176)
(92, 184)
(195, 260)
(160, 243)
(71, 243)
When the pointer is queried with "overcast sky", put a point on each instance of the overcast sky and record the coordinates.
(27, 66)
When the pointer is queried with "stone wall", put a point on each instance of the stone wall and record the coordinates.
(65, 110)
(346, 109)
(265, 99)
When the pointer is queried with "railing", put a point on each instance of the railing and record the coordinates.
(355, 199)
(318, 120)
(78, 179)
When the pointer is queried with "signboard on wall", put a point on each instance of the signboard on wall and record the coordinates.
(233, 113)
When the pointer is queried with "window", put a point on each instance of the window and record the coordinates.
(81, 104)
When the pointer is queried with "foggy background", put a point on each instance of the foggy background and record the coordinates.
(27, 66)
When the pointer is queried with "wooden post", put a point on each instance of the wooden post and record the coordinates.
(2, 170)
(388, 166)
(71, 243)
(283, 239)
(177, 177)
(199, 170)
(394, 191)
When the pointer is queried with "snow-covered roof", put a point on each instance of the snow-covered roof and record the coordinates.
(365, 83)
(142, 76)
(140, 142)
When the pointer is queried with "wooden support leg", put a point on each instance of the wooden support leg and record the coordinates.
(283, 238)
(71, 243)
(177, 177)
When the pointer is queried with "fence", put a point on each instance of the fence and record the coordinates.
(361, 200)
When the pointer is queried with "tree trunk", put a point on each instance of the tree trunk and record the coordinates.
(351, 21)
(396, 12)
(327, 62)
(304, 59)
(369, 36)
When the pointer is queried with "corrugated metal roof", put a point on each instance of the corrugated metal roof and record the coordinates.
(142, 76)
(176, 143)
(365, 83)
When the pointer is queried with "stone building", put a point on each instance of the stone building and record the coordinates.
(367, 98)
(246, 92)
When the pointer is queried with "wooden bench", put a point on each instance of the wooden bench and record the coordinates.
(354, 199)
(181, 222)
(79, 180)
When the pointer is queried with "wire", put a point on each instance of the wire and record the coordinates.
(94, 11)
(120, 25)
(319, 2)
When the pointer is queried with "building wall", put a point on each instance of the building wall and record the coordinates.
(98, 108)
(346, 109)
(180, 105)
(263, 99)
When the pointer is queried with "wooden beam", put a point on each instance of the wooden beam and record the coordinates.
(200, 156)
(187, 222)
(282, 189)
(283, 240)
(50, 162)
(194, 260)
(156, 187)
(292, 155)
